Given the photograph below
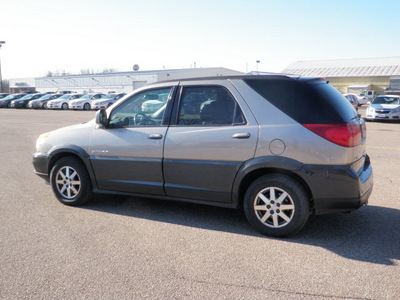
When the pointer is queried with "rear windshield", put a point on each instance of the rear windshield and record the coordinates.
(305, 101)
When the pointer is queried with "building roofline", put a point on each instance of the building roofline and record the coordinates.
(125, 73)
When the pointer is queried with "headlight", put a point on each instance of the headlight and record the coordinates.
(396, 110)
(41, 139)
(370, 109)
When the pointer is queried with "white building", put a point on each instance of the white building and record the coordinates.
(114, 82)
(353, 75)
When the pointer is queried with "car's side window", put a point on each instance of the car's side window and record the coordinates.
(208, 106)
(143, 109)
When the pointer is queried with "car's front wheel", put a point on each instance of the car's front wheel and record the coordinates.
(276, 205)
(64, 106)
(70, 181)
(86, 106)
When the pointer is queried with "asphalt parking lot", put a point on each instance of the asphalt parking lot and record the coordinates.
(133, 248)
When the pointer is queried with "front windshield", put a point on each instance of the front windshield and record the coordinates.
(64, 97)
(109, 96)
(27, 97)
(386, 100)
(45, 97)
(85, 97)
(9, 97)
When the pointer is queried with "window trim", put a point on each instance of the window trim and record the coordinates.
(178, 100)
(167, 113)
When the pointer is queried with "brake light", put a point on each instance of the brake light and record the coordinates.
(346, 135)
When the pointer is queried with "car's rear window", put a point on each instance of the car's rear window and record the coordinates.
(306, 101)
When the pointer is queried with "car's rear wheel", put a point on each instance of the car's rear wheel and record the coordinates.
(70, 181)
(276, 205)
(9, 104)
(64, 106)
(86, 106)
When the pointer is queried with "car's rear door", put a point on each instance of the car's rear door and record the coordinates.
(212, 133)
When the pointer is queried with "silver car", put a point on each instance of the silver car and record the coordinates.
(279, 147)
(85, 102)
(107, 101)
(385, 107)
(63, 101)
(42, 101)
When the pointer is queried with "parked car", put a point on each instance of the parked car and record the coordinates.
(85, 102)
(23, 102)
(279, 147)
(6, 101)
(384, 107)
(107, 101)
(352, 98)
(3, 95)
(63, 101)
(42, 101)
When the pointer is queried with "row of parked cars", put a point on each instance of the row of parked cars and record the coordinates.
(383, 107)
(59, 101)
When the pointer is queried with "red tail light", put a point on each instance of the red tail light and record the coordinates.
(346, 135)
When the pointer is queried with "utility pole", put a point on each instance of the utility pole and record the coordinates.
(1, 79)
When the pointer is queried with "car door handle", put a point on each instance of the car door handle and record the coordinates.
(244, 135)
(155, 136)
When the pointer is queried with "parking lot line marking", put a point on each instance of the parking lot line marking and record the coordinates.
(387, 148)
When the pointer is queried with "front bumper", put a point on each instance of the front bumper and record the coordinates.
(339, 188)
(18, 105)
(41, 163)
(36, 105)
(79, 106)
(54, 105)
(382, 116)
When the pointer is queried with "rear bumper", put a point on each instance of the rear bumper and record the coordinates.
(339, 188)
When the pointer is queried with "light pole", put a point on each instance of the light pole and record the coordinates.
(1, 79)
(257, 62)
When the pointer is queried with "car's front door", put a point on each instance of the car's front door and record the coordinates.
(127, 155)
(213, 134)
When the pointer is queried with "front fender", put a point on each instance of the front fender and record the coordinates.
(59, 151)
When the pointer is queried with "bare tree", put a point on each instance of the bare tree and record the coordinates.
(5, 86)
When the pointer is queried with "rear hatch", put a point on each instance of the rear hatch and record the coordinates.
(320, 108)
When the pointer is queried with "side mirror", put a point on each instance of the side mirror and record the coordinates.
(101, 118)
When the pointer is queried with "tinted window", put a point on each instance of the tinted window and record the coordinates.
(208, 106)
(306, 101)
(143, 109)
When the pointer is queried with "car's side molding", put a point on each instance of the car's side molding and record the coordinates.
(261, 163)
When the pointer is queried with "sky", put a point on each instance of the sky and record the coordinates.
(73, 35)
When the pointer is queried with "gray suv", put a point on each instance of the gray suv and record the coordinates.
(279, 147)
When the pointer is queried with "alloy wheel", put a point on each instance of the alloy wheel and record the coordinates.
(274, 207)
(68, 182)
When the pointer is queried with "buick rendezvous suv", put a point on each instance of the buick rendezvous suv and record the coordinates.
(280, 147)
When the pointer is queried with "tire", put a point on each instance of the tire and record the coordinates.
(86, 106)
(64, 106)
(44, 106)
(282, 205)
(70, 182)
(9, 105)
